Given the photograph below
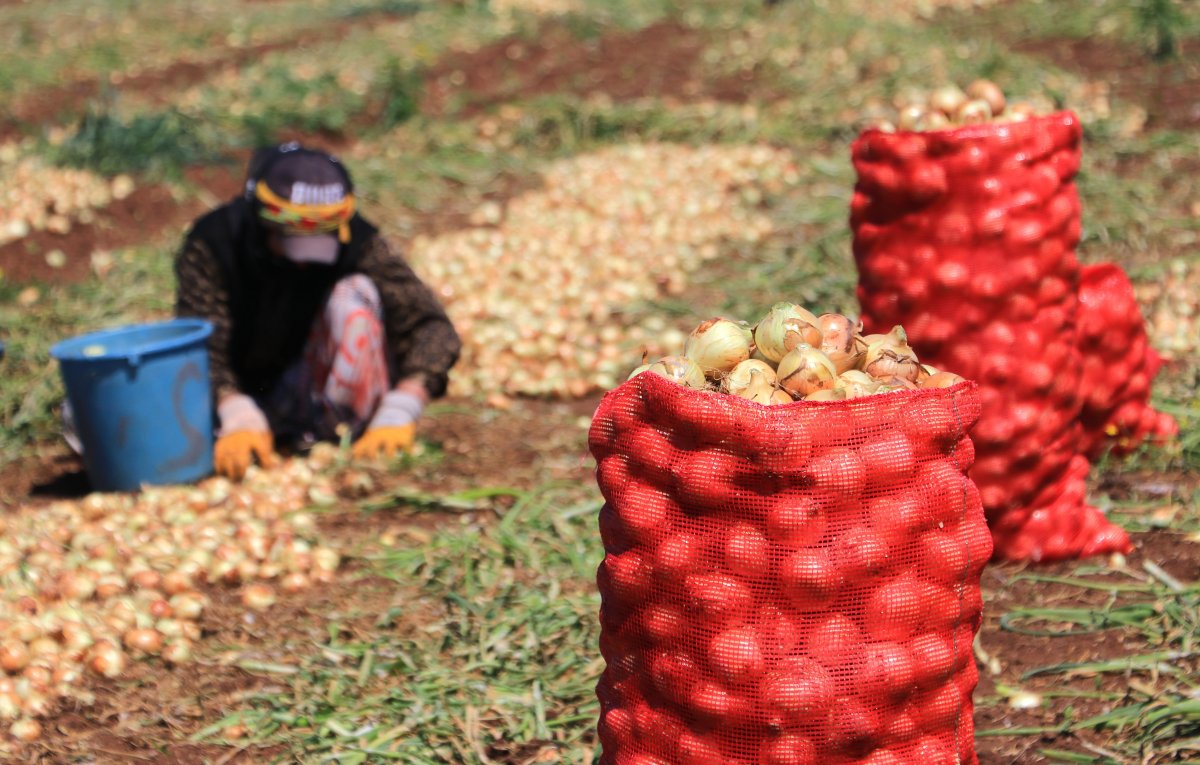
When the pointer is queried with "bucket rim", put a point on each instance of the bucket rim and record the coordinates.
(71, 349)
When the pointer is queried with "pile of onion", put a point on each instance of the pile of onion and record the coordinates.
(792, 354)
(573, 255)
(951, 106)
(90, 586)
(36, 196)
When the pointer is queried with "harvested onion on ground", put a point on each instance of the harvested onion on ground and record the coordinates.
(572, 256)
(92, 586)
(792, 354)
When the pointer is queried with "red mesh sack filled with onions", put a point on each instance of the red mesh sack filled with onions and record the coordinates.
(965, 233)
(1118, 365)
(792, 552)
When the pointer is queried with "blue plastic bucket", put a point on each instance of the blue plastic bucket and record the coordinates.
(142, 403)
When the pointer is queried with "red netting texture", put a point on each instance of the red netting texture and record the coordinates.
(787, 585)
(967, 238)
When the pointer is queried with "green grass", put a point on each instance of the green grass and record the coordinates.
(1155, 714)
(157, 146)
(494, 646)
(140, 287)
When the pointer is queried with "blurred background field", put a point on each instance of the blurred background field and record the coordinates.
(581, 180)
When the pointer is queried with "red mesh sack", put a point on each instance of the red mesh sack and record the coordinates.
(1118, 365)
(787, 585)
(967, 238)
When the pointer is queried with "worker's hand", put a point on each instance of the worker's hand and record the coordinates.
(234, 453)
(393, 429)
(244, 435)
(387, 441)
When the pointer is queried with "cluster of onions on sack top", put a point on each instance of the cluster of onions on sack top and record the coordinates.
(88, 587)
(792, 354)
(951, 106)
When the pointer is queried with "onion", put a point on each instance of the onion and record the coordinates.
(784, 327)
(760, 390)
(258, 597)
(26, 730)
(637, 371)
(856, 383)
(832, 394)
(806, 370)
(187, 605)
(941, 380)
(891, 356)
(973, 113)
(988, 92)
(178, 651)
(147, 641)
(947, 99)
(736, 655)
(14, 655)
(679, 369)
(718, 345)
(739, 378)
(106, 659)
(294, 582)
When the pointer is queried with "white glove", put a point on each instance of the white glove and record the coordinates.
(397, 408)
(238, 413)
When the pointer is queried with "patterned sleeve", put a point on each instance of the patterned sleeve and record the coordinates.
(201, 292)
(420, 337)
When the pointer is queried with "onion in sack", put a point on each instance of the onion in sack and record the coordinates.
(800, 689)
(838, 335)
(736, 655)
(856, 383)
(739, 378)
(806, 370)
(718, 345)
(679, 369)
(891, 356)
(784, 327)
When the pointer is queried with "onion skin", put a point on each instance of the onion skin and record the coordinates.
(739, 378)
(805, 370)
(680, 369)
(784, 327)
(718, 345)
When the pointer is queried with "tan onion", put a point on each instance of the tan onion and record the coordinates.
(760, 389)
(637, 371)
(990, 92)
(891, 356)
(831, 394)
(739, 377)
(143, 640)
(974, 112)
(784, 327)
(941, 380)
(718, 345)
(806, 370)
(855, 383)
(106, 659)
(26, 730)
(679, 369)
(178, 651)
(947, 99)
(258, 597)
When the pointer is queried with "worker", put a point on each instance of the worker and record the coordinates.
(319, 327)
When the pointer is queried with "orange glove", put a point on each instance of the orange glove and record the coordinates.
(244, 435)
(388, 440)
(233, 453)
